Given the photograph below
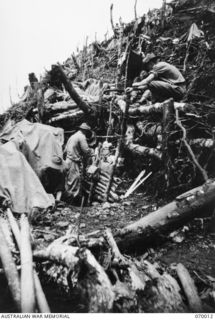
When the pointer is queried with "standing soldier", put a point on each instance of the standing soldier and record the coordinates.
(78, 153)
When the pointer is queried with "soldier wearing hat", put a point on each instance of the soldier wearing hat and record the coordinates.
(77, 152)
(163, 81)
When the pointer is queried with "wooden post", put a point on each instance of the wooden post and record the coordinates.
(27, 280)
(100, 115)
(135, 10)
(167, 123)
(10, 269)
(126, 65)
(118, 72)
(111, 18)
(118, 148)
(69, 87)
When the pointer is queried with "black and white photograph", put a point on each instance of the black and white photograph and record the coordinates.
(107, 158)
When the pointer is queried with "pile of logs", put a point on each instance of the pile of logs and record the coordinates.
(69, 106)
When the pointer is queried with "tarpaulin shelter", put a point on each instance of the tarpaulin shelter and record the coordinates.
(19, 184)
(42, 146)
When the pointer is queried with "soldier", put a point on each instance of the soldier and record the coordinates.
(163, 81)
(77, 153)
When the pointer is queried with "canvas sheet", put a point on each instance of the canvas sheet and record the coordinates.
(19, 184)
(45, 144)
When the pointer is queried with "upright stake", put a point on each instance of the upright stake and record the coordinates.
(135, 10)
(118, 149)
(111, 18)
(79, 219)
(27, 280)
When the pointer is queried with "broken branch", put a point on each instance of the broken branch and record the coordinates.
(190, 151)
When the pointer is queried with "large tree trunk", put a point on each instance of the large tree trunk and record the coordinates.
(144, 151)
(69, 87)
(173, 215)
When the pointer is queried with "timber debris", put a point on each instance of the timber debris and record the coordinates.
(131, 143)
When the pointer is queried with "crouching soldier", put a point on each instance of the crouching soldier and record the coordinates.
(77, 153)
(163, 81)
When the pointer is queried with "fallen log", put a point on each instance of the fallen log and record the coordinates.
(61, 106)
(190, 290)
(144, 151)
(73, 116)
(153, 108)
(58, 253)
(197, 143)
(66, 113)
(173, 215)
